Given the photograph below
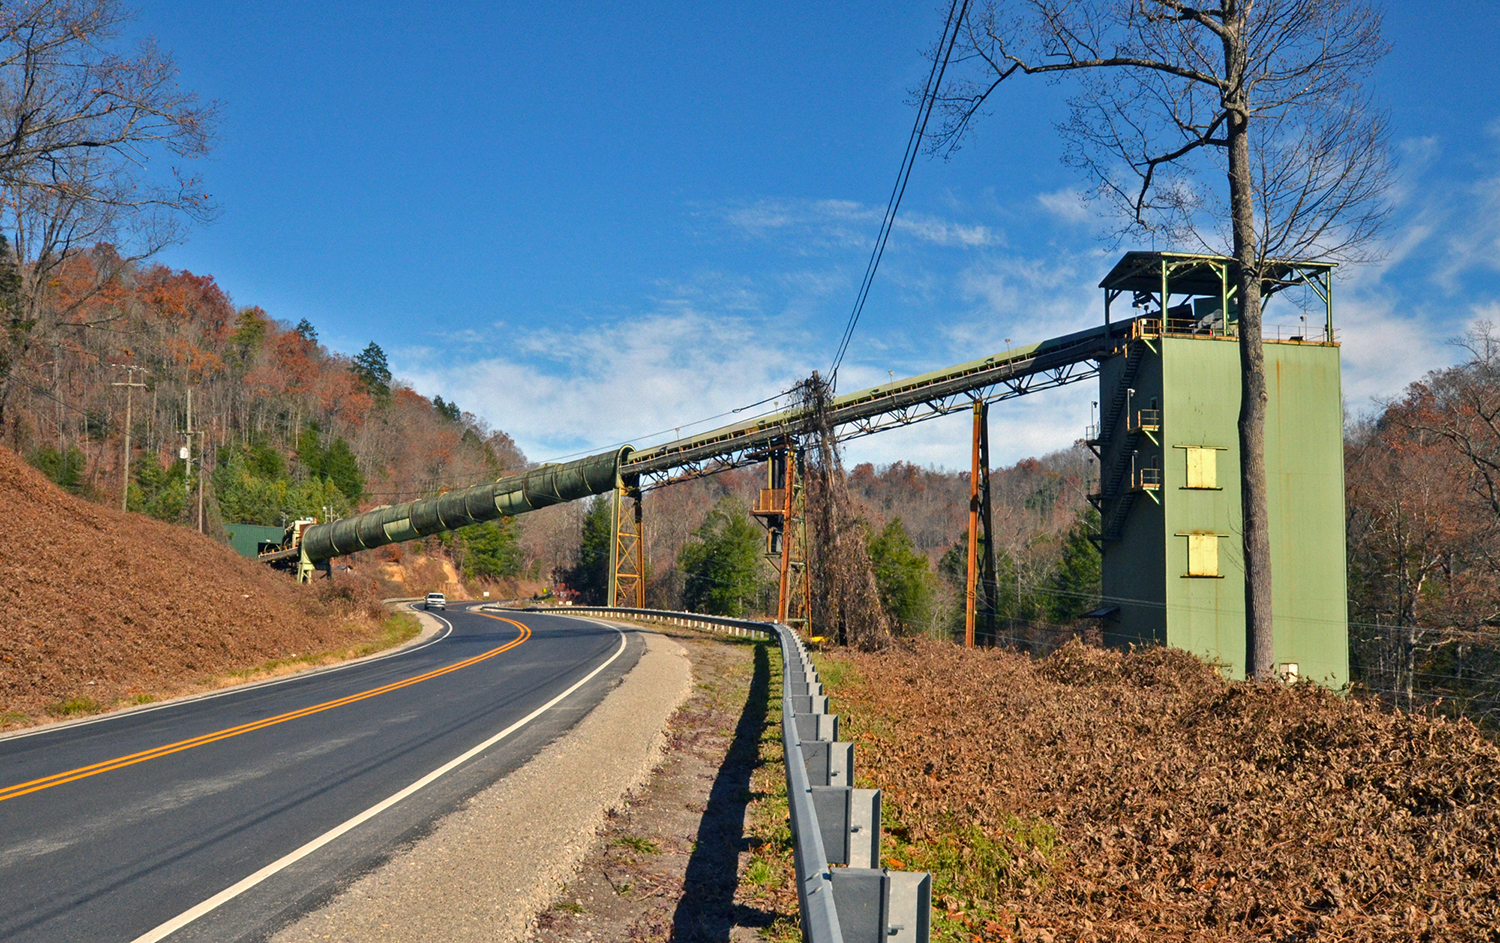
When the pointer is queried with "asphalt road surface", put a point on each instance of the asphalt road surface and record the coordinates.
(226, 817)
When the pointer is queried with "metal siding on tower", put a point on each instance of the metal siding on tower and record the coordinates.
(1305, 465)
(1200, 408)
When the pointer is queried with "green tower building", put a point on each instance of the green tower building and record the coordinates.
(1169, 493)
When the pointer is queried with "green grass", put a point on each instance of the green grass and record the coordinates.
(398, 628)
(12, 717)
(974, 871)
(760, 873)
(635, 843)
(834, 672)
(73, 706)
(569, 907)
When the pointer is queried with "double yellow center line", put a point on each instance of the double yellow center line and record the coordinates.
(83, 772)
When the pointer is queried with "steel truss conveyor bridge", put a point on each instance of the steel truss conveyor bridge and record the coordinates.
(626, 470)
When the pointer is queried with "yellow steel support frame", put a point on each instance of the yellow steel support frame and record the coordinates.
(782, 509)
(793, 597)
(627, 550)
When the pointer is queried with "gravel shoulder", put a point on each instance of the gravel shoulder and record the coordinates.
(487, 870)
(700, 852)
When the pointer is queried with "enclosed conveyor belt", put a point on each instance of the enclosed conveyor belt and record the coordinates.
(517, 494)
(1052, 362)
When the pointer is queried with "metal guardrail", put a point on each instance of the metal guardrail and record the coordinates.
(843, 893)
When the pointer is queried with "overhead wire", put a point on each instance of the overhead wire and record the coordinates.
(956, 14)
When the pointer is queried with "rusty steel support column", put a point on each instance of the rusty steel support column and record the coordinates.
(788, 537)
(627, 549)
(988, 581)
(973, 569)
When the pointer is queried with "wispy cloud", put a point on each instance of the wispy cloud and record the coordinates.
(708, 342)
(848, 224)
(1067, 204)
(558, 393)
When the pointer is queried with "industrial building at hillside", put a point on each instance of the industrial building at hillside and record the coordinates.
(1169, 495)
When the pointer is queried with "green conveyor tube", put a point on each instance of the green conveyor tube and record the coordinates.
(541, 487)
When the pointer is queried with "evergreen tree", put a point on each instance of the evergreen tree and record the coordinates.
(1075, 585)
(491, 549)
(589, 575)
(250, 331)
(342, 468)
(721, 566)
(335, 462)
(65, 468)
(903, 577)
(159, 492)
(306, 331)
(373, 371)
(447, 409)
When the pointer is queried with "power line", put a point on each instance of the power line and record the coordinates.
(908, 160)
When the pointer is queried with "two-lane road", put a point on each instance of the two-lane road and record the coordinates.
(222, 818)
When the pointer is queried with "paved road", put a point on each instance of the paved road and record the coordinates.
(225, 818)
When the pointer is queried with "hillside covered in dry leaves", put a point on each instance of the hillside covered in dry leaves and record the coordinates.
(100, 608)
(1095, 795)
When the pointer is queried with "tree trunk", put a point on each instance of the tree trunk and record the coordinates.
(1260, 656)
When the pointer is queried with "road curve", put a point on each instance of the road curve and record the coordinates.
(222, 818)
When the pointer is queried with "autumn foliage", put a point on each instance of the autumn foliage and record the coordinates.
(1100, 796)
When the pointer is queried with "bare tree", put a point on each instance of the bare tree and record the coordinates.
(846, 601)
(1239, 127)
(84, 131)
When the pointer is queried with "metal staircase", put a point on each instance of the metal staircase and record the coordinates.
(1119, 481)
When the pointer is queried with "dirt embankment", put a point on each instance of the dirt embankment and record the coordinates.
(1097, 796)
(100, 608)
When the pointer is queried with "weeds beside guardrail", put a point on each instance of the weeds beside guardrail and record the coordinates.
(843, 893)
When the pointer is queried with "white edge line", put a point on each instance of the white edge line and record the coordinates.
(232, 689)
(234, 890)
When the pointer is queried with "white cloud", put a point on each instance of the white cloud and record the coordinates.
(846, 224)
(1020, 428)
(1067, 204)
(558, 393)
(1473, 235)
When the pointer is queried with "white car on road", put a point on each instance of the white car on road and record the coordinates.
(435, 601)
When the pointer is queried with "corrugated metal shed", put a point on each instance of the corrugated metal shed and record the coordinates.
(247, 538)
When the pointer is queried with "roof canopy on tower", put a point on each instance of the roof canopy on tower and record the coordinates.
(1190, 274)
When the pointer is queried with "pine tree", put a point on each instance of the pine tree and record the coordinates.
(722, 565)
(373, 371)
(589, 575)
(903, 577)
(1075, 585)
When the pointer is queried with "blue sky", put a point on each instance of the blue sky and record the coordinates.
(591, 224)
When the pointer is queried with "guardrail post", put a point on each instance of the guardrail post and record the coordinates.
(908, 907)
(849, 820)
(828, 764)
(817, 726)
(832, 822)
(881, 905)
(810, 705)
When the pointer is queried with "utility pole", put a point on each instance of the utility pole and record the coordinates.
(187, 453)
(129, 384)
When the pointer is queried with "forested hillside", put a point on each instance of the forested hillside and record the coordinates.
(282, 427)
(1423, 491)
